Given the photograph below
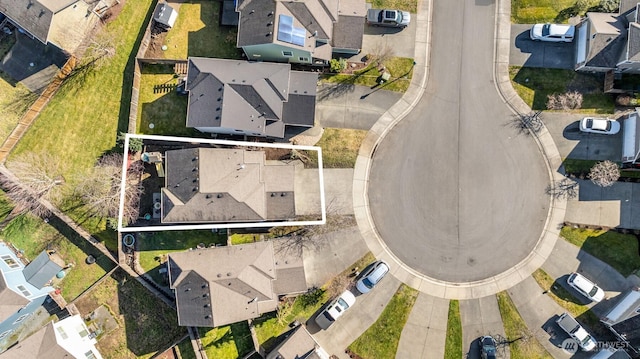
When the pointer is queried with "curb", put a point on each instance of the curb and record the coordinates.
(396, 113)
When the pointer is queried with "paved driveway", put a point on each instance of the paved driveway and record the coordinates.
(399, 41)
(480, 317)
(528, 53)
(454, 192)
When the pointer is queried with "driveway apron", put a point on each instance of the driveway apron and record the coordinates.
(480, 317)
(424, 334)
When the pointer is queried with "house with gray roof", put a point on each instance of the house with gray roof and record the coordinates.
(297, 343)
(609, 42)
(23, 290)
(303, 32)
(624, 320)
(224, 285)
(223, 185)
(63, 23)
(248, 98)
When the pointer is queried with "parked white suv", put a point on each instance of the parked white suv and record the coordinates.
(335, 310)
(373, 274)
(580, 283)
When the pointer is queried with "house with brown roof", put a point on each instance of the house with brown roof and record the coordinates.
(304, 31)
(249, 98)
(609, 42)
(224, 185)
(224, 285)
(63, 23)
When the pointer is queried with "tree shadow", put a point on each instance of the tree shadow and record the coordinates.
(342, 87)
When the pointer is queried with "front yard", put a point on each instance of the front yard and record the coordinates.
(533, 85)
(558, 11)
(400, 68)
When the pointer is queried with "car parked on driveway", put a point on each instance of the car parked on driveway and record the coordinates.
(372, 275)
(388, 18)
(336, 309)
(552, 32)
(576, 331)
(487, 347)
(580, 283)
(604, 126)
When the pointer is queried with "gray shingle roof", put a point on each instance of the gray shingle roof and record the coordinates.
(33, 16)
(225, 185)
(257, 19)
(634, 42)
(348, 32)
(223, 285)
(608, 41)
(42, 269)
(247, 96)
(298, 344)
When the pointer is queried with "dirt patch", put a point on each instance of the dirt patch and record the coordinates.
(353, 67)
(154, 51)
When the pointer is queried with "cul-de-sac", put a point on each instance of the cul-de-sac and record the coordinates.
(319, 179)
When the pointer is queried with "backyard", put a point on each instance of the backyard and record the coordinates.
(227, 342)
(197, 32)
(145, 324)
(32, 235)
(82, 120)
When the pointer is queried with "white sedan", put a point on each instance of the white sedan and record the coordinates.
(552, 32)
(604, 126)
(335, 310)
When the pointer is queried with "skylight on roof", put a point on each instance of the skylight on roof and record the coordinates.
(289, 33)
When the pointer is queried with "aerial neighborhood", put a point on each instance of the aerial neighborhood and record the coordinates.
(329, 179)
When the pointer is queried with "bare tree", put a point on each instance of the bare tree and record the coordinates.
(38, 176)
(564, 101)
(527, 124)
(311, 237)
(604, 173)
(100, 189)
(565, 188)
(381, 53)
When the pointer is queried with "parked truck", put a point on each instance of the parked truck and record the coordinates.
(576, 331)
(390, 18)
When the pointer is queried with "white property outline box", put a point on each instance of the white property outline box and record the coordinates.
(121, 228)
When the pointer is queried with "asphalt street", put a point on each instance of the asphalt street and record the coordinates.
(455, 192)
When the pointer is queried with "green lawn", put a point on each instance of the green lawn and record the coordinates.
(146, 324)
(514, 328)
(227, 342)
(162, 107)
(406, 5)
(15, 99)
(381, 340)
(186, 349)
(197, 33)
(153, 245)
(243, 238)
(577, 166)
(82, 120)
(559, 11)
(533, 85)
(453, 344)
(32, 235)
(400, 69)
(339, 147)
(616, 249)
(572, 304)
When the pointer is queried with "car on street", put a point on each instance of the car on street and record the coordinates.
(552, 32)
(487, 347)
(335, 309)
(388, 18)
(604, 126)
(371, 276)
(583, 285)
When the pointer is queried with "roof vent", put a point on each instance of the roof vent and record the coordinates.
(188, 289)
(283, 194)
(270, 13)
(218, 275)
(252, 11)
(270, 23)
(205, 295)
(195, 189)
(228, 274)
(269, 33)
(208, 195)
(195, 169)
(220, 195)
(206, 305)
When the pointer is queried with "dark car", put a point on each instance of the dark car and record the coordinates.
(487, 347)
